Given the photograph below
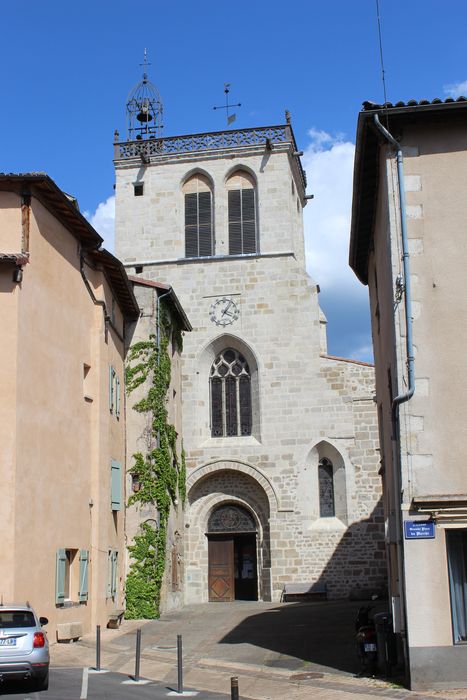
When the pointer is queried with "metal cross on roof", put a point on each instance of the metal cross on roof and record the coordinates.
(230, 117)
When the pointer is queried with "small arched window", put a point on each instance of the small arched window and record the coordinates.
(326, 488)
(199, 239)
(243, 233)
(230, 381)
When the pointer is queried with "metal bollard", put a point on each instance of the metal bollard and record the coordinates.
(234, 687)
(179, 664)
(98, 648)
(138, 653)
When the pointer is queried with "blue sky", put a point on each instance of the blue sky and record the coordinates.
(68, 68)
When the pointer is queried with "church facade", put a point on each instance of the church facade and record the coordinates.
(280, 438)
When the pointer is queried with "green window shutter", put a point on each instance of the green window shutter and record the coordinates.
(109, 573)
(83, 575)
(117, 397)
(116, 485)
(60, 577)
(113, 585)
(111, 388)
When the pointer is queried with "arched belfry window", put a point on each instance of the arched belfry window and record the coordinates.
(199, 238)
(326, 488)
(243, 234)
(230, 380)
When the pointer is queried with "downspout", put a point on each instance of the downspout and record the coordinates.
(404, 396)
(99, 302)
(158, 338)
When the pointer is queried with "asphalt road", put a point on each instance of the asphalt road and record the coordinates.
(81, 684)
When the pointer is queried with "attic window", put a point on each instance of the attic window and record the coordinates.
(139, 189)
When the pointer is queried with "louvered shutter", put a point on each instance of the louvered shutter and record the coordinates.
(216, 408)
(60, 570)
(111, 388)
(191, 225)
(245, 406)
(83, 575)
(117, 397)
(116, 485)
(113, 584)
(248, 221)
(205, 223)
(235, 223)
(109, 573)
(231, 406)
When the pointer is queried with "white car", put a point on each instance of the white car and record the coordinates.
(24, 648)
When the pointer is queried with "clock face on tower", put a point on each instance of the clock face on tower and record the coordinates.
(224, 311)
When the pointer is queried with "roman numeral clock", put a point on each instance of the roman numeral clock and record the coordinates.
(224, 311)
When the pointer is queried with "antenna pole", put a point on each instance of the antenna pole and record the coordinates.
(383, 78)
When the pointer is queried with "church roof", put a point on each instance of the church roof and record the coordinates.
(186, 325)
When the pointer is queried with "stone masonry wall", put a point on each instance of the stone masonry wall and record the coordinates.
(306, 406)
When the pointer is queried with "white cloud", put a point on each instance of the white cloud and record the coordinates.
(456, 89)
(328, 161)
(103, 221)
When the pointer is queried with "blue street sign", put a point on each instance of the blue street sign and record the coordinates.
(419, 529)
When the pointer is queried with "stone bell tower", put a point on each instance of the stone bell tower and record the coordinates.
(280, 437)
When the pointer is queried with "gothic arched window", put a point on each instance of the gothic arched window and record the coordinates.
(199, 238)
(326, 488)
(243, 233)
(230, 381)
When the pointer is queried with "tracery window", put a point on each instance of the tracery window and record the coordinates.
(199, 238)
(242, 214)
(230, 381)
(326, 488)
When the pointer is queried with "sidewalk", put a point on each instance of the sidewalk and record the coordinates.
(276, 650)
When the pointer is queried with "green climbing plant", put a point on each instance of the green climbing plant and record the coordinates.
(159, 472)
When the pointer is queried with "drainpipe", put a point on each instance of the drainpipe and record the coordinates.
(99, 302)
(158, 338)
(404, 396)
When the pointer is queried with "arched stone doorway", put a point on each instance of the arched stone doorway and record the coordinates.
(234, 501)
(232, 561)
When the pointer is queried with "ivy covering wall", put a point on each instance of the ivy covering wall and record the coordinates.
(160, 472)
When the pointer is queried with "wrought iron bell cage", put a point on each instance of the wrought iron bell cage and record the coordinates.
(144, 111)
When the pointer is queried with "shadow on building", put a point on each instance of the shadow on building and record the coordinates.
(319, 635)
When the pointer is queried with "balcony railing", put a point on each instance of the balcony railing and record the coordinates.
(195, 143)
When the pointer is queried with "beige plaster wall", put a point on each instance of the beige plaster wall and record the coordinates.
(433, 429)
(60, 443)
(10, 212)
(9, 294)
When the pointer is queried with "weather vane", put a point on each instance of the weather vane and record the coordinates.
(230, 117)
(145, 63)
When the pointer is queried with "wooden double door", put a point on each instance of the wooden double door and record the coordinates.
(233, 571)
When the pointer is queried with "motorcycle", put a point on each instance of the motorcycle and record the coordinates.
(367, 649)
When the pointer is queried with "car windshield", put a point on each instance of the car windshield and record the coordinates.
(16, 618)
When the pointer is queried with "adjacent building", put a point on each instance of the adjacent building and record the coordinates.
(64, 305)
(408, 246)
(158, 337)
(280, 437)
